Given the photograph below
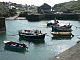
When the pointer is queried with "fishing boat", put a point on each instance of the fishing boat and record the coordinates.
(51, 23)
(66, 26)
(13, 46)
(31, 35)
(56, 24)
(62, 34)
(61, 29)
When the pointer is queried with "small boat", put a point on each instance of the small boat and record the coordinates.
(13, 46)
(62, 34)
(61, 29)
(66, 26)
(55, 24)
(51, 23)
(31, 35)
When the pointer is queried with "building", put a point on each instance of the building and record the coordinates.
(45, 8)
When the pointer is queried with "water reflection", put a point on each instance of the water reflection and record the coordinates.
(62, 38)
(2, 37)
(37, 41)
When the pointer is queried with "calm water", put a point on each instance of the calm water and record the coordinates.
(36, 51)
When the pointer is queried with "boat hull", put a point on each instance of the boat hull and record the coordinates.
(11, 48)
(62, 34)
(32, 37)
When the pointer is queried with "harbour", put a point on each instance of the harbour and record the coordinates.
(45, 30)
(36, 50)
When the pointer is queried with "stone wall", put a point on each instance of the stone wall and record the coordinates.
(2, 24)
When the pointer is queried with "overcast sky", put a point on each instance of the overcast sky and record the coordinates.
(37, 2)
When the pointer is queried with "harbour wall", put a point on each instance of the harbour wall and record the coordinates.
(63, 16)
(2, 25)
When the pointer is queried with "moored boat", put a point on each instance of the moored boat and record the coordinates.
(56, 24)
(66, 26)
(31, 35)
(51, 23)
(13, 46)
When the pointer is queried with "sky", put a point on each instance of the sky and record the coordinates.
(36, 2)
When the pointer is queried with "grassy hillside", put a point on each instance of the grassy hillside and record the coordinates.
(3, 9)
(72, 6)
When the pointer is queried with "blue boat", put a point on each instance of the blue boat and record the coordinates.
(61, 29)
(13, 46)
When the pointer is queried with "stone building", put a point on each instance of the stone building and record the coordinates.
(45, 8)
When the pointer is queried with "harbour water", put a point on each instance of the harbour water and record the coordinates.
(36, 51)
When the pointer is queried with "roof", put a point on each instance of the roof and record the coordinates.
(45, 5)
